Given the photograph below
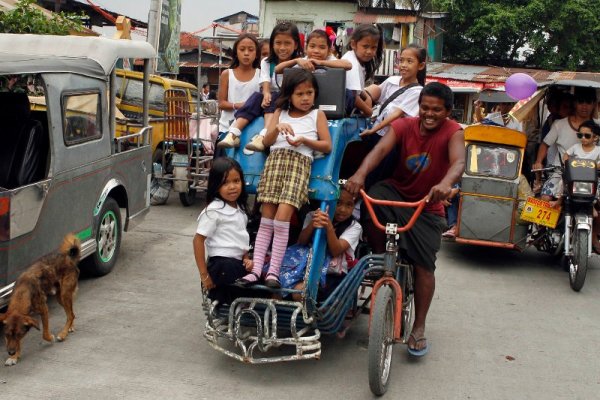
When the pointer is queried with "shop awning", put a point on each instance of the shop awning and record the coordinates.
(458, 86)
(364, 18)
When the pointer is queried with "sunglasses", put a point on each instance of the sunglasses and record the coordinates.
(584, 135)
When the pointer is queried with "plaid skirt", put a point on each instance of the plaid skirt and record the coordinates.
(285, 178)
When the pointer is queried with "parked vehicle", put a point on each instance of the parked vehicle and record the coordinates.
(61, 167)
(187, 145)
(130, 102)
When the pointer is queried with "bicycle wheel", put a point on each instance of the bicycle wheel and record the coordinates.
(381, 340)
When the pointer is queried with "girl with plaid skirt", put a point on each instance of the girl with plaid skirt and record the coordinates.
(296, 130)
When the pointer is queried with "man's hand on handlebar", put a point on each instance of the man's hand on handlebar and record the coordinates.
(354, 184)
(439, 192)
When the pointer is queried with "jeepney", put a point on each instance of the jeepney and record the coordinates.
(62, 169)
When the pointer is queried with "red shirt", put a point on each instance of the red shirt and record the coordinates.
(423, 159)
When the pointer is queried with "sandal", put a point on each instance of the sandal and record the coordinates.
(244, 282)
(272, 282)
(420, 352)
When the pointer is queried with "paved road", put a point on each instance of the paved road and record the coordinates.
(502, 326)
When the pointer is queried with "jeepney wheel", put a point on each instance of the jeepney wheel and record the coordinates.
(381, 340)
(108, 240)
(188, 198)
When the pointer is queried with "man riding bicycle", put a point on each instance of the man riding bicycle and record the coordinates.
(431, 159)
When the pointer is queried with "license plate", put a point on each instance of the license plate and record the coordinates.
(540, 212)
(180, 160)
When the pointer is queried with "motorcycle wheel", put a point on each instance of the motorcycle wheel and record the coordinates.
(579, 260)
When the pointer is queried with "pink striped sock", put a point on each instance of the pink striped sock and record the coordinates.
(261, 245)
(280, 240)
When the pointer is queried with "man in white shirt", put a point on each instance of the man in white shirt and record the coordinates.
(205, 92)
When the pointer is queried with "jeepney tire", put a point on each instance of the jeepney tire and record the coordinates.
(580, 259)
(108, 240)
(381, 340)
(188, 198)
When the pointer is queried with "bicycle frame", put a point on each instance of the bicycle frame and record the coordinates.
(391, 267)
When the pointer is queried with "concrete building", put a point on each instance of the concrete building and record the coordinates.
(400, 22)
(240, 21)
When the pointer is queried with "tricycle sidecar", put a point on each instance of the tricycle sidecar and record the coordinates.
(489, 200)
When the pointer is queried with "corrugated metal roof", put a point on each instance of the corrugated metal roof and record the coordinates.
(491, 75)
(191, 64)
(364, 18)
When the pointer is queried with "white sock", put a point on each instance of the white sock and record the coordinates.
(235, 131)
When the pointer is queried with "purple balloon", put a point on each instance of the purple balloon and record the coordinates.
(520, 86)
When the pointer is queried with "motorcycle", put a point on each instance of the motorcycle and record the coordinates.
(580, 179)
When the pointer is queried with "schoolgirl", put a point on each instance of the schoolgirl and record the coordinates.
(365, 54)
(240, 81)
(342, 235)
(399, 95)
(221, 242)
(295, 131)
(284, 45)
(318, 54)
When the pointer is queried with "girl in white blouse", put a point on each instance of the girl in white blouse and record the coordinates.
(222, 242)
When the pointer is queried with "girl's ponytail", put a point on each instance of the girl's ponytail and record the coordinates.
(421, 54)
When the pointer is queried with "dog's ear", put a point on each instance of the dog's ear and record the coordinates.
(31, 322)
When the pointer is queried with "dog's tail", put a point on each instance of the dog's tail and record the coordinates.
(71, 247)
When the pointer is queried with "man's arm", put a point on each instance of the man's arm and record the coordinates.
(456, 153)
(391, 117)
(541, 155)
(372, 160)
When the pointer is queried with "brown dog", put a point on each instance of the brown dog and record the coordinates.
(54, 274)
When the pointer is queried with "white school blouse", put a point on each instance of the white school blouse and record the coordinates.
(407, 101)
(265, 76)
(355, 77)
(237, 92)
(351, 235)
(304, 126)
(225, 230)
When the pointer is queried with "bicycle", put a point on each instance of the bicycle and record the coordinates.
(392, 297)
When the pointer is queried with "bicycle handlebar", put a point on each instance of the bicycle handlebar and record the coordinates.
(551, 168)
(369, 201)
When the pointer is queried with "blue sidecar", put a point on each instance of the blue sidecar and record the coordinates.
(265, 323)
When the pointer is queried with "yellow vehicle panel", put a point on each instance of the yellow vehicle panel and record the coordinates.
(130, 107)
(495, 134)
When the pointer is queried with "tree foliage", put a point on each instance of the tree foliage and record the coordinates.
(25, 18)
(549, 34)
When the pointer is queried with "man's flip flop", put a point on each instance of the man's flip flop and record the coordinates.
(415, 352)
